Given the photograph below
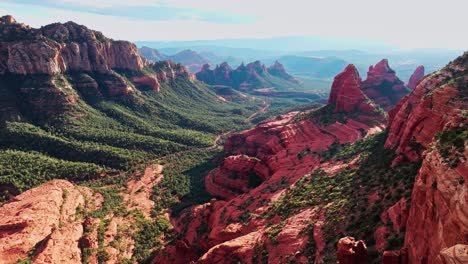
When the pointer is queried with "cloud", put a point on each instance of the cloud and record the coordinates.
(152, 10)
(408, 24)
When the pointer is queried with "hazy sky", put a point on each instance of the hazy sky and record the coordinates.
(405, 23)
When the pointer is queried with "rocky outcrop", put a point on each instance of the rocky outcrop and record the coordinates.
(60, 48)
(416, 77)
(457, 254)
(45, 71)
(438, 210)
(351, 251)
(236, 174)
(383, 86)
(43, 224)
(246, 77)
(397, 215)
(277, 69)
(436, 101)
(346, 93)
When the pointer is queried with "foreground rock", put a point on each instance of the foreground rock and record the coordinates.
(351, 251)
(43, 224)
(432, 118)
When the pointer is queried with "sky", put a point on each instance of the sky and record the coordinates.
(403, 23)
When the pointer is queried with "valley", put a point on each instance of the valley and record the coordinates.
(114, 154)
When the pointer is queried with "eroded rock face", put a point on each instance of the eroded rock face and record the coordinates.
(45, 71)
(438, 212)
(236, 175)
(351, 251)
(427, 110)
(43, 219)
(383, 86)
(60, 48)
(346, 93)
(457, 254)
(439, 205)
(416, 77)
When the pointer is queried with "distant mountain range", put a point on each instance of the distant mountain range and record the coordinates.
(309, 60)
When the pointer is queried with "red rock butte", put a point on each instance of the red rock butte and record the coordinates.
(346, 93)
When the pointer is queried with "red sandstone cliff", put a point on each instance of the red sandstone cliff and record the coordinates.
(433, 118)
(383, 86)
(46, 221)
(346, 93)
(52, 66)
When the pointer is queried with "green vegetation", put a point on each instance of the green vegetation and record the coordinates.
(23, 170)
(148, 236)
(183, 183)
(451, 144)
(283, 106)
(103, 135)
(326, 116)
(344, 195)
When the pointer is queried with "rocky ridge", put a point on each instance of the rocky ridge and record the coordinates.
(53, 66)
(431, 124)
(383, 86)
(245, 77)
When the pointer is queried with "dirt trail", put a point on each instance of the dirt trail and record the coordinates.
(262, 110)
(218, 138)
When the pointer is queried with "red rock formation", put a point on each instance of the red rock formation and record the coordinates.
(397, 214)
(147, 81)
(416, 77)
(278, 152)
(418, 117)
(439, 202)
(346, 93)
(43, 216)
(351, 251)
(457, 254)
(60, 48)
(438, 212)
(235, 175)
(383, 86)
